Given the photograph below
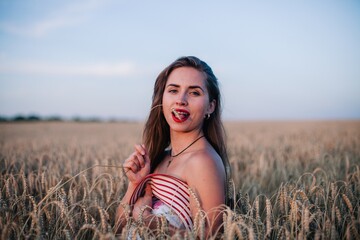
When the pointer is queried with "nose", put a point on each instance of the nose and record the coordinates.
(182, 100)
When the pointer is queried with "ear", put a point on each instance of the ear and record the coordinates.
(212, 106)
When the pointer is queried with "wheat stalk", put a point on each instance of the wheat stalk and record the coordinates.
(302, 194)
(67, 234)
(87, 227)
(59, 184)
(235, 232)
(257, 209)
(348, 203)
(268, 217)
(306, 220)
(103, 217)
(293, 214)
(164, 226)
(9, 228)
(24, 182)
(195, 198)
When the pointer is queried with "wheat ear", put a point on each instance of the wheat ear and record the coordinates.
(348, 203)
(268, 217)
(59, 184)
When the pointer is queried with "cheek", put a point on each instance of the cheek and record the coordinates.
(201, 107)
(165, 104)
(166, 98)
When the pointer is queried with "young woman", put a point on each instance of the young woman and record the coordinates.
(183, 151)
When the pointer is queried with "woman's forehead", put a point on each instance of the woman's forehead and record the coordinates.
(186, 76)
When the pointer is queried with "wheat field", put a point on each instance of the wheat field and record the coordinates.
(290, 180)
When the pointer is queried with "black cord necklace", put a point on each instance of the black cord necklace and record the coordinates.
(173, 156)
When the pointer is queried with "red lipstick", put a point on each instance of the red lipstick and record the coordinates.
(180, 115)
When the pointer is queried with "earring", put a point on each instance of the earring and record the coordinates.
(208, 116)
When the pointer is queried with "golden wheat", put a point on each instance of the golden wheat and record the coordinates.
(289, 181)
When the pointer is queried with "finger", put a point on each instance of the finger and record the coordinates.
(126, 165)
(145, 149)
(140, 149)
(128, 168)
(131, 165)
(140, 160)
(147, 160)
(137, 159)
(131, 158)
(146, 152)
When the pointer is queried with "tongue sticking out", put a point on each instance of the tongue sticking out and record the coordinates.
(177, 115)
(181, 116)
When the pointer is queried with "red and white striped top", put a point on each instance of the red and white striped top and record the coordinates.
(171, 191)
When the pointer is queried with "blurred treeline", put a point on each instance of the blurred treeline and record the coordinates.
(56, 118)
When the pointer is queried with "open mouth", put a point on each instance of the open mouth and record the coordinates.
(180, 115)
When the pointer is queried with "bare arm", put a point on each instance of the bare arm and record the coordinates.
(136, 167)
(206, 177)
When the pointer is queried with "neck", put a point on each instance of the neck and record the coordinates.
(179, 140)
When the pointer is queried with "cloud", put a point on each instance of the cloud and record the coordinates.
(120, 69)
(41, 28)
(73, 14)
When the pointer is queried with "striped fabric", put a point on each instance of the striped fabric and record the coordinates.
(171, 191)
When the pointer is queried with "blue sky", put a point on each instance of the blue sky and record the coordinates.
(275, 60)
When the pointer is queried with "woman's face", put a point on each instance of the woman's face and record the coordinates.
(186, 99)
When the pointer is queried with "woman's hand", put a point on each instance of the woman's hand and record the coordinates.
(137, 166)
(143, 202)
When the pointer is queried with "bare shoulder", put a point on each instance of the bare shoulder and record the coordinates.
(205, 174)
(203, 165)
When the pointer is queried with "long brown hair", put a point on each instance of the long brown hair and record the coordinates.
(156, 133)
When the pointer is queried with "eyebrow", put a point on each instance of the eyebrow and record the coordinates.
(191, 87)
